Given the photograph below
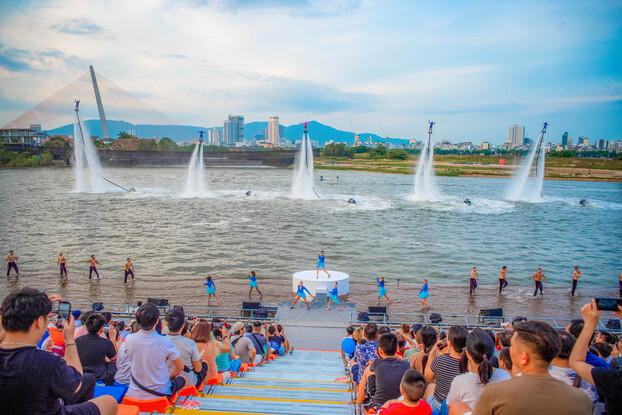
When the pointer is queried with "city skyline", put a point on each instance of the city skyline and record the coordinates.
(469, 67)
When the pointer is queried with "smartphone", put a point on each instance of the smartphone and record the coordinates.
(63, 312)
(608, 304)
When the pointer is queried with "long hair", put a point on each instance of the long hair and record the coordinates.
(480, 347)
(457, 336)
(428, 338)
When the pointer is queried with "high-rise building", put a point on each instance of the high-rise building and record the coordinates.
(565, 139)
(583, 142)
(214, 137)
(602, 144)
(516, 135)
(485, 145)
(233, 130)
(273, 131)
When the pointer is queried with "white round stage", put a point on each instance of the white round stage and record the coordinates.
(323, 283)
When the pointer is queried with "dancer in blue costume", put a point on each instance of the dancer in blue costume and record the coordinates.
(253, 284)
(320, 264)
(382, 292)
(332, 296)
(424, 294)
(301, 294)
(211, 289)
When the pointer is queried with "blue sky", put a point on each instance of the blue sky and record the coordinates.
(474, 67)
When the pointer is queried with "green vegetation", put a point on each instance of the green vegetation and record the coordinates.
(334, 150)
(57, 141)
(124, 134)
(14, 159)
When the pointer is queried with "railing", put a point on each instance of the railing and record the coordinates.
(225, 314)
(492, 322)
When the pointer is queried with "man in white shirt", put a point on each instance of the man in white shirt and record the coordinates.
(148, 351)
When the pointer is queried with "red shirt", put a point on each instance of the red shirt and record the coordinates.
(400, 409)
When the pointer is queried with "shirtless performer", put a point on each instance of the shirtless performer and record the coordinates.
(11, 258)
(473, 281)
(92, 262)
(503, 281)
(538, 278)
(62, 262)
(620, 284)
(575, 278)
(129, 270)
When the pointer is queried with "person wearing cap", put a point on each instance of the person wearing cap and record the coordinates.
(243, 346)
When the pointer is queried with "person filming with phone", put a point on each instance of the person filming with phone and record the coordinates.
(608, 382)
(34, 381)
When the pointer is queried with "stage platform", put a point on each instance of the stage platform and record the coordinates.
(322, 284)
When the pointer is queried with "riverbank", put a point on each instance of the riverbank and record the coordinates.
(569, 170)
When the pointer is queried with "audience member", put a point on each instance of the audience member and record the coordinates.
(575, 328)
(97, 354)
(242, 345)
(608, 382)
(148, 352)
(81, 331)
(34, 381)
(381, 379)
(124, 370)
(208, 348)
(467, 387)
(560, 366)
(259, 340)
(412, 388)
(194, 369)
(441, 369)
(366, 352)
(604, 350)
(411, 336)
(277, 340)
(427, 337)
(505, 361)
(226, 360)
(535, 391)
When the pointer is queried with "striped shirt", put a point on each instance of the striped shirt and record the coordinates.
(445, 368)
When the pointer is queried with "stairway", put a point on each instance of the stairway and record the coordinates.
(300, 384)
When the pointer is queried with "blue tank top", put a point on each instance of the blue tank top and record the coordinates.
(302, 290)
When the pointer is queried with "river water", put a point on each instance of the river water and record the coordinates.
(175, 241)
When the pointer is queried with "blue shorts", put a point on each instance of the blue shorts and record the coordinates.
(382, 291)
(253, 284)
(211, 290)
(320, 264)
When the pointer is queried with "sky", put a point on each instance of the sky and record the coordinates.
(473, 67)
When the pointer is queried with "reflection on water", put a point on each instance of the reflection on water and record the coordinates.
(174, 241)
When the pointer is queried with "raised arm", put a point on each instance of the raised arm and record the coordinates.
(591, 316)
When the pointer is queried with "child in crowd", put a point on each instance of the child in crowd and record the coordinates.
(412, 389)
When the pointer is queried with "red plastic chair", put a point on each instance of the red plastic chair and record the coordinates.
(188, 390)
(128, 410)
(216, 380)
(148, 405)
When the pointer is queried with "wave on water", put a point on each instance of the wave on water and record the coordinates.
(479, 206)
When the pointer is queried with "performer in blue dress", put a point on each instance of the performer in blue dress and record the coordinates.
(253, 284)
(332, 296)
(301, 294)
(320, 264)
(211, 289)
(424, 294)
(382, 292)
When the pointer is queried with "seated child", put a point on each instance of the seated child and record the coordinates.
(412, 388)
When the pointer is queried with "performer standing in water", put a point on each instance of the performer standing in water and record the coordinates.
(620, 284)
(575, 278)
(382, 292)
(332, 296)
(424, 294)
(538, 278)
(503, 281)
(11, 258)
(301, 294)
(211, 289)
(253, 284)
(92, 262)
(473, 280)
(62, 262)
(320, 264)
(129, 270)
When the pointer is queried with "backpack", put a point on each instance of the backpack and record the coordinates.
(97, 307)
(261, 313)
(363, 316)
(613, 324)
(435, 318)
(274, 345)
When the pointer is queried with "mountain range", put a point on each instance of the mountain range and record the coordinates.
(317, 131)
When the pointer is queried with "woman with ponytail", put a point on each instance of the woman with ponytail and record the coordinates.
(427, 337)
(467, 387)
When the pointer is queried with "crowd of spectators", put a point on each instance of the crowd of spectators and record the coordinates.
(52, 367)
(529, 368)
